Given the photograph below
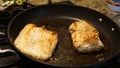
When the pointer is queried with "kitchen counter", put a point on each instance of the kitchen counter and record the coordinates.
(98, 5)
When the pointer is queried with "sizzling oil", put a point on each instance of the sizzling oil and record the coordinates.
(65, 53)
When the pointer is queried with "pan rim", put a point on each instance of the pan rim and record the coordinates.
(86, 65)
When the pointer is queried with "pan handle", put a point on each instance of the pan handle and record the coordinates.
(3, 51)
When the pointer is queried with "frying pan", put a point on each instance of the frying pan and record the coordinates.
(58, 17)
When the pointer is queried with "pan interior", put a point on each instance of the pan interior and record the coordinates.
(54, 19)
(65, 53)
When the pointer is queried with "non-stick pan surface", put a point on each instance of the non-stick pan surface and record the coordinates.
(59, 18)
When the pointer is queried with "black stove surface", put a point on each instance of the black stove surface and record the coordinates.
(9, 60)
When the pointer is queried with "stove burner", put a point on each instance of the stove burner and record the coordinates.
(8, 57)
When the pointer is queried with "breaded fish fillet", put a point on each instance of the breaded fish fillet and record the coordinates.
(85, 37)
(36, 42)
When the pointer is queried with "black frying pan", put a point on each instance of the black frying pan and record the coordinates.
(58, 17)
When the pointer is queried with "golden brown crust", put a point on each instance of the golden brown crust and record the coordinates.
(36, 42)
(85, 37)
